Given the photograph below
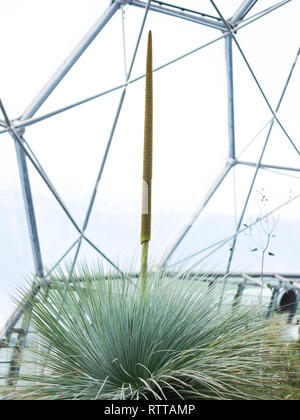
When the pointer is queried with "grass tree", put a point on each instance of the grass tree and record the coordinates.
(173, 343)
(104, 338)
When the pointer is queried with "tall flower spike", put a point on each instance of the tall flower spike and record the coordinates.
(147, 166)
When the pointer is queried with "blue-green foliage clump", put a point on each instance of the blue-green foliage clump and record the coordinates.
(102, 339)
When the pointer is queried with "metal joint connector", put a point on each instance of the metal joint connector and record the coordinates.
(19, 130)
(232, 26)
(231, 162)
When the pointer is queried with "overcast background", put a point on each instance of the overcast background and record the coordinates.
(190, 135)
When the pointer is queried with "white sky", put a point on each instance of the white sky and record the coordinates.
(190, 130)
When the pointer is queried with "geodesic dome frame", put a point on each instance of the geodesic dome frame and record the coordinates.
(16, 128)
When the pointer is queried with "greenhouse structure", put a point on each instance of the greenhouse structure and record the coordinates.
(226, 151)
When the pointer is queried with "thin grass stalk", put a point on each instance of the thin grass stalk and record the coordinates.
(147, 167)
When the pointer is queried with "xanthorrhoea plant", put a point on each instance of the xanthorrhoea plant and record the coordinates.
(108, 343)
(103, 338)
(147, 166)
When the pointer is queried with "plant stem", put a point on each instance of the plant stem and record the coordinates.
(264, 250)
(144, 265)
